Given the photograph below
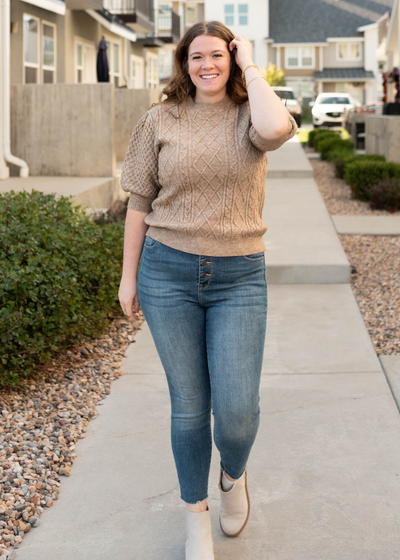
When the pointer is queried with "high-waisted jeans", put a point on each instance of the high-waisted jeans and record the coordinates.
(207, 316)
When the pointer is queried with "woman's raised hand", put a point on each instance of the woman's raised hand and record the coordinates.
(244, 50)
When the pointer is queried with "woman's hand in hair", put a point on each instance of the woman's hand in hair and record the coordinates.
(243, 51)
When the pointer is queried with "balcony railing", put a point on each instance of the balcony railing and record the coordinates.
(169, 25)
(143, 8)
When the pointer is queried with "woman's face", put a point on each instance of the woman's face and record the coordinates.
(209, 65)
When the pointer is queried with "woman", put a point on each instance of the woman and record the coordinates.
(195, 169)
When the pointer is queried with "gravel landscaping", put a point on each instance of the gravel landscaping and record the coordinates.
(41, 422)
(375, 281)
(375, 262)
(336, 193)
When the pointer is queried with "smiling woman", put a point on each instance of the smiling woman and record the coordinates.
(209, 67)
(195, 168)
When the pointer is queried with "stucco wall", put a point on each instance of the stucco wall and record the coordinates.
(130, 105)
(382, 136)
(64, 129)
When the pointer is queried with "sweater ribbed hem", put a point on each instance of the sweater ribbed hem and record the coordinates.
(207, 247)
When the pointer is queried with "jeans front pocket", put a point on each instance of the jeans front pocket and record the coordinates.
(255, 257)
(149, 243)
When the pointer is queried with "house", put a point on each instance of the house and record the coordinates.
(328, 45)
(250, 19)
(173, 20)
(392, 55)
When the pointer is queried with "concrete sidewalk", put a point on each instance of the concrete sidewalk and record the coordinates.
(324, 475)
(367, 225)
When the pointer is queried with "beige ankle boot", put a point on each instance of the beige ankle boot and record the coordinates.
(199, 544)
(234, 507)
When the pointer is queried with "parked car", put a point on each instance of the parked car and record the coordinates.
(289, 99)
(328, 109)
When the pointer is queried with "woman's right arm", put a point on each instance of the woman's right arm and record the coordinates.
(135, 231)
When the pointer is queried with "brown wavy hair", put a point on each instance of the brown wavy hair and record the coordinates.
(180, 84)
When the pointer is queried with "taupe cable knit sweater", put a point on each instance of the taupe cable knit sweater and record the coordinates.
(201, 177)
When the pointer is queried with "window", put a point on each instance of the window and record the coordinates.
(190, 14)
(229, 12)
(243, 14)
(164, 17)
(113, 58)
(85, 61)
(306, 56)
(292, 57)
(300, 57)
(348, 51)
(151, 70)
(137, 75)
(48, 53)
(79, 63)
(39, 48)
(31, 49)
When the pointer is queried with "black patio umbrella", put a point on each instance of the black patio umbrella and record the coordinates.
(102, 62)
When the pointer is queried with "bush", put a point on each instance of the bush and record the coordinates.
(321, 135)
(59, 278)
(340, 158)
(329, 145)
(362, 174)
(313, 135)
(385, 195)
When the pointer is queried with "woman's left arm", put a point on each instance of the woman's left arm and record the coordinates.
(269, 115)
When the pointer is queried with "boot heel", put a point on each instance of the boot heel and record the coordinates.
(234, 506)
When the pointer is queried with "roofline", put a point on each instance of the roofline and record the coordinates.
(348, 39)
(367, 27)
(309, 44)
(341, 79)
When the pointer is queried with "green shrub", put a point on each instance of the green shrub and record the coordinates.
(315, 134)
(341, 158)
(328, 145)
(59, 278)
(362, 174)
(323, 135)
(385, 195)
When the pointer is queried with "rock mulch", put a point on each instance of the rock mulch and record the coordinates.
(41, 422)
(374, 260)
(375, 280)
(337, 194)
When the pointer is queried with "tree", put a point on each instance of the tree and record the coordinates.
(273, 76)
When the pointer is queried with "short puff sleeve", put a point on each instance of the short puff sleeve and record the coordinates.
(139, 174)
(267, 145)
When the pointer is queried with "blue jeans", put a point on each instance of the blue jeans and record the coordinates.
(207, 316)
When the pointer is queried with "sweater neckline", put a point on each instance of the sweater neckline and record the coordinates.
(203, 105)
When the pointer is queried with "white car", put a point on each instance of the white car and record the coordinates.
(289, 99)
(328, 109)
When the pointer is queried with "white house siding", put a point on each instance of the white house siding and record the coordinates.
(373, 88)
(256, 30)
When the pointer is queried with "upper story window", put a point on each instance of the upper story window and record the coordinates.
(229, 14)
(348, 51)
(243, 14)
(190, 14)
(164, 16)
(300, 57)
(242, 17)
